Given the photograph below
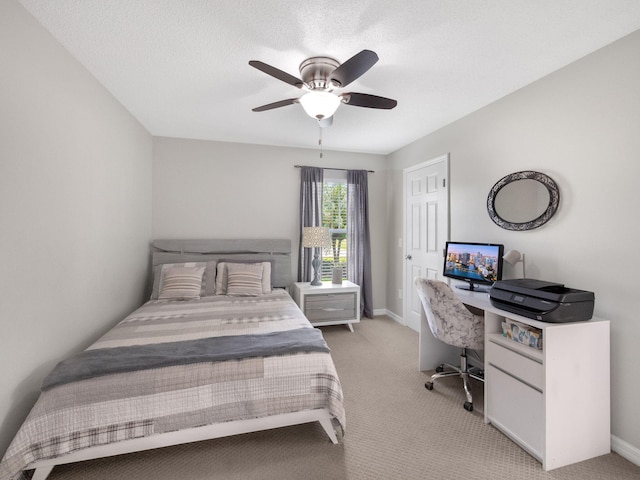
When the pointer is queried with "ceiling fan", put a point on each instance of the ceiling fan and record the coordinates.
(320, 76)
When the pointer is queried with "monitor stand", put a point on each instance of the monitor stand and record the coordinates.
(473, 288)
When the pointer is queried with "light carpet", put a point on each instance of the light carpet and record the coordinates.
(396, 429)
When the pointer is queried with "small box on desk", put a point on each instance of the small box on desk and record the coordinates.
(521, 333)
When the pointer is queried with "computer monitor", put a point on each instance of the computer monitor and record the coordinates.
(477, 264)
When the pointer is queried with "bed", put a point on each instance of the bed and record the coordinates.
(219, 349)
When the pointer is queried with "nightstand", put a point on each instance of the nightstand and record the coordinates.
(329, 304)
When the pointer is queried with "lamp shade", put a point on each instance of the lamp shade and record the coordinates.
(313, 237)
(320, 104)
(512, 257)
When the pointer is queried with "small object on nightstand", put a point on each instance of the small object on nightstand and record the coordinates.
(337, 276)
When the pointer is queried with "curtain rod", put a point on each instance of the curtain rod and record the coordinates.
(331, 168)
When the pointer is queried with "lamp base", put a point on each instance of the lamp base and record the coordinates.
(316, 271)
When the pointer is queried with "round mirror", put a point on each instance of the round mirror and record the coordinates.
(523, 200)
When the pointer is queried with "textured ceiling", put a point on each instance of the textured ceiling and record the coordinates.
(181, 66)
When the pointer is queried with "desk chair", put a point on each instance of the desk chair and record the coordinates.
(452, 323)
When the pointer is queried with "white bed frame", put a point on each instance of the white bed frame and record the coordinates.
(165, 251)
(43, 467)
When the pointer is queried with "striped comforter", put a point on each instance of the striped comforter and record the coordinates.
(121, 406)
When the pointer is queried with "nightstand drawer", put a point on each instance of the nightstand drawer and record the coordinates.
(329, 304)
(334, 306)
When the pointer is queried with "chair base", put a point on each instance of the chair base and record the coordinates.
(463, 371)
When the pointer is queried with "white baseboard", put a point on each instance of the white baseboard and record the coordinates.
(625, 450)
(393, 316)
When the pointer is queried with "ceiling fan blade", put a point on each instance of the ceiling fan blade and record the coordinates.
(277, 73)
(369, 101)
(270, 106)
(353, 68)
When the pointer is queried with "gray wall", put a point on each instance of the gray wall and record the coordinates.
(226, 190)
(75, 210)
(580, 125)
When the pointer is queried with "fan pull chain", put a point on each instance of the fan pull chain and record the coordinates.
(320, 140)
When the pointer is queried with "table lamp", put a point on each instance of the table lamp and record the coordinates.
(316, 237)
(514, 256)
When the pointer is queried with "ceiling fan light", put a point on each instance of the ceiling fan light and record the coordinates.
(320, 104)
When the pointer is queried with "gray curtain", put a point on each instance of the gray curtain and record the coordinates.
(311, 179)
(358, 243)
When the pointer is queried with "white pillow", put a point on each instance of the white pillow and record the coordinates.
(221, 276)
(181, 283)
(208, 279)
(244, 279)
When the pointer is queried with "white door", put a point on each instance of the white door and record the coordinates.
(426, 193)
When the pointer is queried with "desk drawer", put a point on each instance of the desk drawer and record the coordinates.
(517, 410)
(521, 367)
(337, 306)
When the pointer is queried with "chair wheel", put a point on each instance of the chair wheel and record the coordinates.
(428, 385)
(468, 406)
(440, 369)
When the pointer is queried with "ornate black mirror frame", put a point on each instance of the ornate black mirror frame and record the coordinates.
(554, 200)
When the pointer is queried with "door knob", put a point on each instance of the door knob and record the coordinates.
(407, 257)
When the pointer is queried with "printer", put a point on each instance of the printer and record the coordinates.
(540, 300)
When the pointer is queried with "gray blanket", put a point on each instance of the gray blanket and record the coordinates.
(93, 363)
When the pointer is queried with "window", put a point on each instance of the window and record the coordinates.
(334, 216)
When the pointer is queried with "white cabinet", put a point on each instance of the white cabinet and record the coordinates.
(329, 304)
(554, 402)
(515, 396)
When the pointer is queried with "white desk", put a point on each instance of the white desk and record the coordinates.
(554, 402)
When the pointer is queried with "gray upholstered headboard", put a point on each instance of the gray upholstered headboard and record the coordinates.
(192, 250)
